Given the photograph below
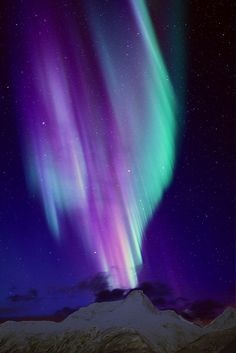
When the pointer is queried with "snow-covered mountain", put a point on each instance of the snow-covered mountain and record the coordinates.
(226, 320)
(161, 328)
(129, 325)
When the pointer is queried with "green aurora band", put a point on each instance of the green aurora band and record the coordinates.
(102, 142)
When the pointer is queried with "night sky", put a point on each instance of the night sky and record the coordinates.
(47, 259)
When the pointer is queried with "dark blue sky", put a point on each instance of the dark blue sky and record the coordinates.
(190, 242)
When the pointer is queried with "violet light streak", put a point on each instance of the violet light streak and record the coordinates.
(99, 130)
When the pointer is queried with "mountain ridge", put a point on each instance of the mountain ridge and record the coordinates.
(135, 317)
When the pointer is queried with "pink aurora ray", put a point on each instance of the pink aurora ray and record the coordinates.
(98, 126)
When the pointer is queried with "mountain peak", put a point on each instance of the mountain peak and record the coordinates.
(137, 297)
(136, 293)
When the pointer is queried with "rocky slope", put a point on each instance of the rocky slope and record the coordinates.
(222, 341)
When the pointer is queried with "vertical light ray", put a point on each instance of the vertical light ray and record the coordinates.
(102, 133)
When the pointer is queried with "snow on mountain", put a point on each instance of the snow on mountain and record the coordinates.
(165, 330)
(161, 328)
(219, 336)
(226, 320)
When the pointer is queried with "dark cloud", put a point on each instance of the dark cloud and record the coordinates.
(181, 300)
(64, 312)
(66, 290)
(204, 309)
(159, 301)
(156, 289)
(110, 295)
(232, 294)
(160, 293)
(179, 304)
(94, 284)
(8, 311)
(157, 292)
(32, 294)
(98, 285)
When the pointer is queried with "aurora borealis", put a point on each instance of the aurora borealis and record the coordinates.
(117, 153)
(99, 148)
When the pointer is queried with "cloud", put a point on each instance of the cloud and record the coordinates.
(159, 301)
(63, 313)
(158, 292)
(94, 284)
(110, 295)
(66, 290)
(204, 309)
(156, 289)
(8, 311)
(32, 294)
(181, 300)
